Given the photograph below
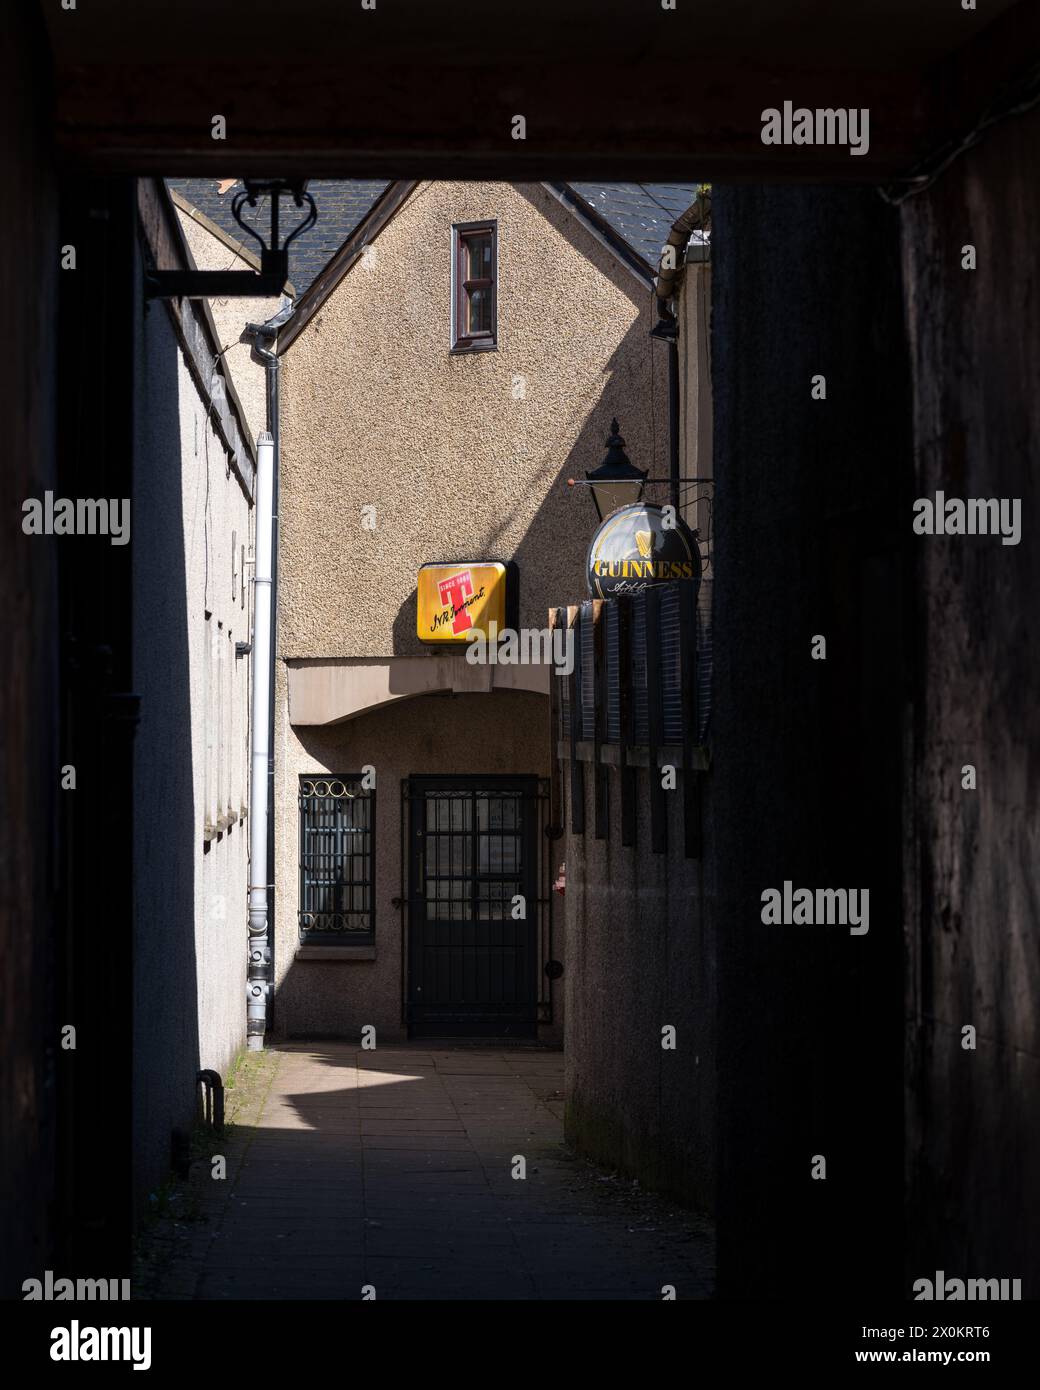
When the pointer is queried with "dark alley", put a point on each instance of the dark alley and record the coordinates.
(394, 1169)
(520, 736)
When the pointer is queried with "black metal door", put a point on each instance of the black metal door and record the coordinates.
(473, 906)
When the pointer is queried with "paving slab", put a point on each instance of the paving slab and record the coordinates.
(394, 1168)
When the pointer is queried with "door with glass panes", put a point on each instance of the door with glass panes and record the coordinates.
(472, 906)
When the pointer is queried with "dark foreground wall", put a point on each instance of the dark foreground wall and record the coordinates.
(65, 870)
(810, 520)
(28, 690)
(972, 904)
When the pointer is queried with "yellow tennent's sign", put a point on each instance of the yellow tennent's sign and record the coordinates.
(455, 601)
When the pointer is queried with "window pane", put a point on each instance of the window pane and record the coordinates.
(448, 899)
(499, 854)
(495, 901)
(449, 855)
(479, 262)
(479, 311)
(448, 813)
(498, 812)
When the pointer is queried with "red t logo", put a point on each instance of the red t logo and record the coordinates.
(452, 592)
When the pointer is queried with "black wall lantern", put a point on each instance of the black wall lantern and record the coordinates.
(617, 481)
(274, 255)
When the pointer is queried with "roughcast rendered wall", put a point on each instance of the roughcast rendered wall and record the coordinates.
(462, 456)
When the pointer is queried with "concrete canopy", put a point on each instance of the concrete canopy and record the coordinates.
(327, 692)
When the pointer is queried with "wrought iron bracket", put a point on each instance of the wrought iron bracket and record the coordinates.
(215, 284)
(270, 280)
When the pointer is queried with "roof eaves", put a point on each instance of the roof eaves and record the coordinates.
(602, 230)
(164, 238)
(323, 284)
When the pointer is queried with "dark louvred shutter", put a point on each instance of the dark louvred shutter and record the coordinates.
(588, 672)
(640, 707)
(704, 660)
(612, 614)
(562, 685)
(669, 666)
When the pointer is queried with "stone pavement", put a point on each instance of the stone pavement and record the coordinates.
(393, 1169)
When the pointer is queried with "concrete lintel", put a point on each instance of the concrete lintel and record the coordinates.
(328, 692)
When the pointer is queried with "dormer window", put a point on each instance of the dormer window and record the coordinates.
(474, 325)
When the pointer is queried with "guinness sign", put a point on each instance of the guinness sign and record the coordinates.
(634, 549)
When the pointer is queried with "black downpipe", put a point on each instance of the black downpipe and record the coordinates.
(673, 417)
(666, 331)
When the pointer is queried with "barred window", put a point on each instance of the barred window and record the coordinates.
(337, 857)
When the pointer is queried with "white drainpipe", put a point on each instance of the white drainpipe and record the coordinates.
(257, 986)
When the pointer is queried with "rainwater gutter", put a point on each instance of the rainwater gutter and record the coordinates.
(696, 218)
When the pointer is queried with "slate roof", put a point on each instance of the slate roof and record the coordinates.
(642, 213)
(342, 203)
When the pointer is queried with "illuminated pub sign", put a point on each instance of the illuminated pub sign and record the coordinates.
(636, 548)
(457, 600)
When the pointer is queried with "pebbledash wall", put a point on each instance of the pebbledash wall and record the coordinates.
(192, 518)
(463, 457)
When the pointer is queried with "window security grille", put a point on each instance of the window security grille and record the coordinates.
(337, 854)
